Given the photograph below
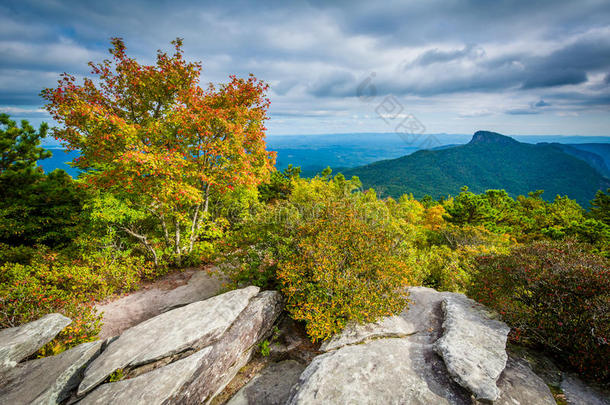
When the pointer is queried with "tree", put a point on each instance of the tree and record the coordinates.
(161, 144)
(34, 208)
(20, 146)
(600, 206)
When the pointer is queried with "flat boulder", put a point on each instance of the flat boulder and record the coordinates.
(198, 377)
(382, 371)
(173, 333)
(48, 380)
(154, 387)
(473, 345)
(22, 341)
(162, 296)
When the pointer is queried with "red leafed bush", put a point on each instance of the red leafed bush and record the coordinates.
(556, 295)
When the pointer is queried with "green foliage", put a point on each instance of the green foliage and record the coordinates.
(337, 255)
(20, 146)
(553, 294)
(116, 375)
(34, 208)
(600, 206)
(264, 348)
(52, 283)
(528, 218)
(39, 209)
(345, 268)
(279, 185)
(516, 167)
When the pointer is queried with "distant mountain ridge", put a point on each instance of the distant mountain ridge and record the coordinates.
(489, 161)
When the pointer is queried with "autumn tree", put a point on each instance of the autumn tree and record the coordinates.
(159, 143)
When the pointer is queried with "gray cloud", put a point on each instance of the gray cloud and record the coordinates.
(436, 56)
(496, 57)
(541, 103)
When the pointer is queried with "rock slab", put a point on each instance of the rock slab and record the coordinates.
(518, 384)
(393, 326)
(188, 328)
(21, 342)
(197, 378)
(383, 371)
(579, 393)
(473, 346)
(48, 380)
(271, 387)
(125, 312)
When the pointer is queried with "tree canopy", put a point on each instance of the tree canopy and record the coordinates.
(161, 144)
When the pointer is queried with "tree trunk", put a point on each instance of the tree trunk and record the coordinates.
(207, 198)
(177, 241)
(143, 240)
(194, 228)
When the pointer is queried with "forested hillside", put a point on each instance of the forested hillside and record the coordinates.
(489, 161)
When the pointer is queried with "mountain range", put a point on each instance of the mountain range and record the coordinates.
(492, 161)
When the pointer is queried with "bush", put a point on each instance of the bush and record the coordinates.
(344, 268)
(336, 255)
(50, 283)
(556, 295)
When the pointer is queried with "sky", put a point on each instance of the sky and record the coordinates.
(515, 67)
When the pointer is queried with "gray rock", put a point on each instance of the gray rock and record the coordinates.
(424, 314)
(172, 333)
(420, 321)
(579, 393)
(22, 341)
(234, 348)
(199, 377)
(137, 307)
(473, 346)
(48, 380)
(382, 371)
(393, 326)
(519, 385)
(154, 387)
(271, 387)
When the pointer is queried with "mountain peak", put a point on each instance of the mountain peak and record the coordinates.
(491, 137)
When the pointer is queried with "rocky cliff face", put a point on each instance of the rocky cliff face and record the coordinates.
(443, 349)
(491, 137)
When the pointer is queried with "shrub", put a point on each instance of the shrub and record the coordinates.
(553, 294)
(344, 268)
(51, 283)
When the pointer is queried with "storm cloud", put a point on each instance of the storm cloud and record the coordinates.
(514, 65)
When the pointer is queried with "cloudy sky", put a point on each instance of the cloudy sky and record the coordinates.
(528, 67)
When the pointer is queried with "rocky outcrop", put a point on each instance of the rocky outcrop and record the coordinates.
(197, 378)
(442, 349)
(21, 342)
(170, 292)
(393, 326)
(373, 364)
(389, 370)
(382, 371)
(183, 356)
(48, 380)
(473, 346)
(173, 333)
